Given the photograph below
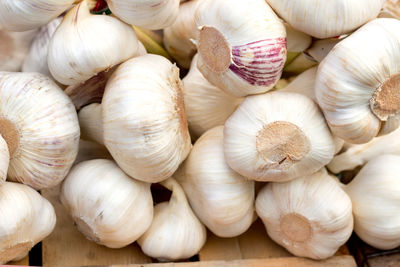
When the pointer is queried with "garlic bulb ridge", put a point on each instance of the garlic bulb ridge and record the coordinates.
(310, 216)
(277, 137)
(85, 44)
(108, 207)
(221, 198)
(175, 232)
(242, 47)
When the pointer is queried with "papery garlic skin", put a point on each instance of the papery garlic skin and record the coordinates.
(297, 41)
(36, 60)
(40, 125)
(277, 137)
(357, 84)
(391, 9)
(175, 232)
(14, 47)
(146, 130)
(178, 38)
(375, 193)
(241, 47)
(323, 19)
(31, 14)
(4, 160)
(150, 14)
(26, 219)
(90, 122)
(108, 207)
(357, 155)
(206, 105)
(310, 216)
(85, 44)
(221, 198)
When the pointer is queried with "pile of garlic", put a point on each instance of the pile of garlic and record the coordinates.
(277, 91)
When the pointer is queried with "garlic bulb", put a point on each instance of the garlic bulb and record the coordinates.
(303, 84)
(178, 38)
(321, 48)
(26, 219)
(4, 159)
(277, 137)
(206, 105)
(242, 47)
(375, 193)
(175, 232)
(90, 122)
(146, 130)
(323, 19)
(357, 84)
(85, 44)
(40, 126)
(357, 155)
(107, 206)
(14, 47)
(297, 41)
(36, 61)
(310, 216)
(221, 198)
(27, 15)
(150, 14)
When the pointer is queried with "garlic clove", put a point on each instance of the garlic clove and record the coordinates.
(375, 195)
(4, 159)
(357, 155)
(310, 216)
(299, 64)
(277, 137)
(28, 15)
(40, 126)
(221, 198)
(108, 207)
(356, 84)
(321, 48)
(242, 48)
(14, 47)
(90, 123)
(297, 41)
(150, 14)
(36, 60)
(175, 232)
(146, 130)
(26, 219)
(322, 19)
(206, 105)
(178, 38)
(85, 44)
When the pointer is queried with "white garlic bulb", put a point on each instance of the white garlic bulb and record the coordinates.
(241, 46)
(14, 47)
(90, 122)
(206, 105)
(178, 38)
(357, 84)
(26, 219)
(39, 123)
(36, 60)
(85, 44)
(221, 198)
(4, 159)
(144, 120)
(107, 206)
(375, 193)
(323, 19)
(150, 14)
(175, 232)
(310, 216)
(277, 137)
(30, 14)
(357, 155)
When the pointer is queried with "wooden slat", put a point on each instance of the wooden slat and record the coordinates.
(66, 246)
(342, 261)
(23, 262)
(217, 248)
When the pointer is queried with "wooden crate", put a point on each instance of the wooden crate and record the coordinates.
(66, 246)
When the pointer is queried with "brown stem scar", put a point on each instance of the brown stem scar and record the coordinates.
(385, 101)
(10, 133)
(296, 227)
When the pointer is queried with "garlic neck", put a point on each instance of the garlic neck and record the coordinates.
(296, 227)
(385, 101)
(10, 133)
(214, 49)
(15, 251)
(86, 229)
(282, 144)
